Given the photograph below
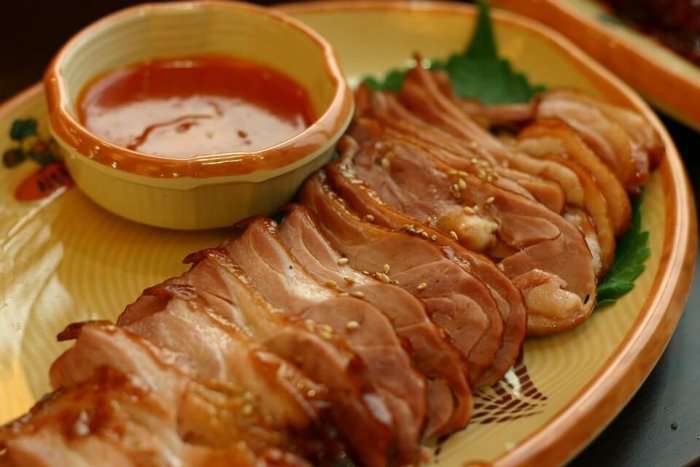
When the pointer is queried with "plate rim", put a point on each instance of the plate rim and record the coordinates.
(613, 385)
(600, 400)
(621, 55)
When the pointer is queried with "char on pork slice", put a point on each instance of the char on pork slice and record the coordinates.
(214, 302)
(454, 151)
(121, 401)
(449, 395)
(551, 136)
(422, 95)
(455, 300)
(545, 256)
(286, 285)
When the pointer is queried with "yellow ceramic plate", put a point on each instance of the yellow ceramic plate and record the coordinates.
(668, 80)
(64, 259)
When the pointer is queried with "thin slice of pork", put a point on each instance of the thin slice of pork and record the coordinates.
(422, 95)
(519, 233)
(285, 284)
(550, 136)
(214, 299)
(449, 396)
(455, 300)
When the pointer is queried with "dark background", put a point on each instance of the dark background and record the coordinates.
(661, 424)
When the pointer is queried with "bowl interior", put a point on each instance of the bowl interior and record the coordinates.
(186, 29)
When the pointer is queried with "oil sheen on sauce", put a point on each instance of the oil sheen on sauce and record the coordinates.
(193, 106)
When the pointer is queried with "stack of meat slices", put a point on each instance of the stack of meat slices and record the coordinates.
(408, 273)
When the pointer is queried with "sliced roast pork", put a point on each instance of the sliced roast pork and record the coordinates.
(286, 285)
(421, 94)
(449, 396)
(546, 256)
(454, 151)
(508, 299)
(215, 302)
(455, 300)
(550, 136)
(628, 154)
(122, 401)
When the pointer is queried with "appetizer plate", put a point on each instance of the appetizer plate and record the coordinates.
(668, 80)
(65, 259)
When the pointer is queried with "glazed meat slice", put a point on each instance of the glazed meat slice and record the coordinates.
(602, 242)
(607, 137)
(544, 255)
(449, 396)
(551, 136)
(455, 300)
(173, 317)
(285, 284)
(422, 95)
(121, 401)
(214, 303)
(622, 138)
(109, 420)
(507, 297)
(455, 152)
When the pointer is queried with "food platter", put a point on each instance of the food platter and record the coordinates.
(65, 259)
(668, 80)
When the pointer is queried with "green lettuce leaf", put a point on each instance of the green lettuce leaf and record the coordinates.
(477, 72)
(630, 257)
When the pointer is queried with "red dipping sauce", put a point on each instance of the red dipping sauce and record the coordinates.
(192, 106)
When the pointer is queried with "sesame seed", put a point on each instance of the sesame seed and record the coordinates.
(422, 286)
(453, 234)
(343, 294)
(369, 218)
(352, 325)
(433, 237)
(357, 294)
(455, 187)
(490, 200)
(326, 335)
(366, 273)
(311, 393)
(247, 409)
(383, 277)
(468, 209)
(424, 234)
(331, 284)
(342, 261)
(385, 163)
(387, 268)
(462, 183)
(395, 282)
(349, 280)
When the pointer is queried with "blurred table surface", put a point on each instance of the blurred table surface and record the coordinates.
(661, 424)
